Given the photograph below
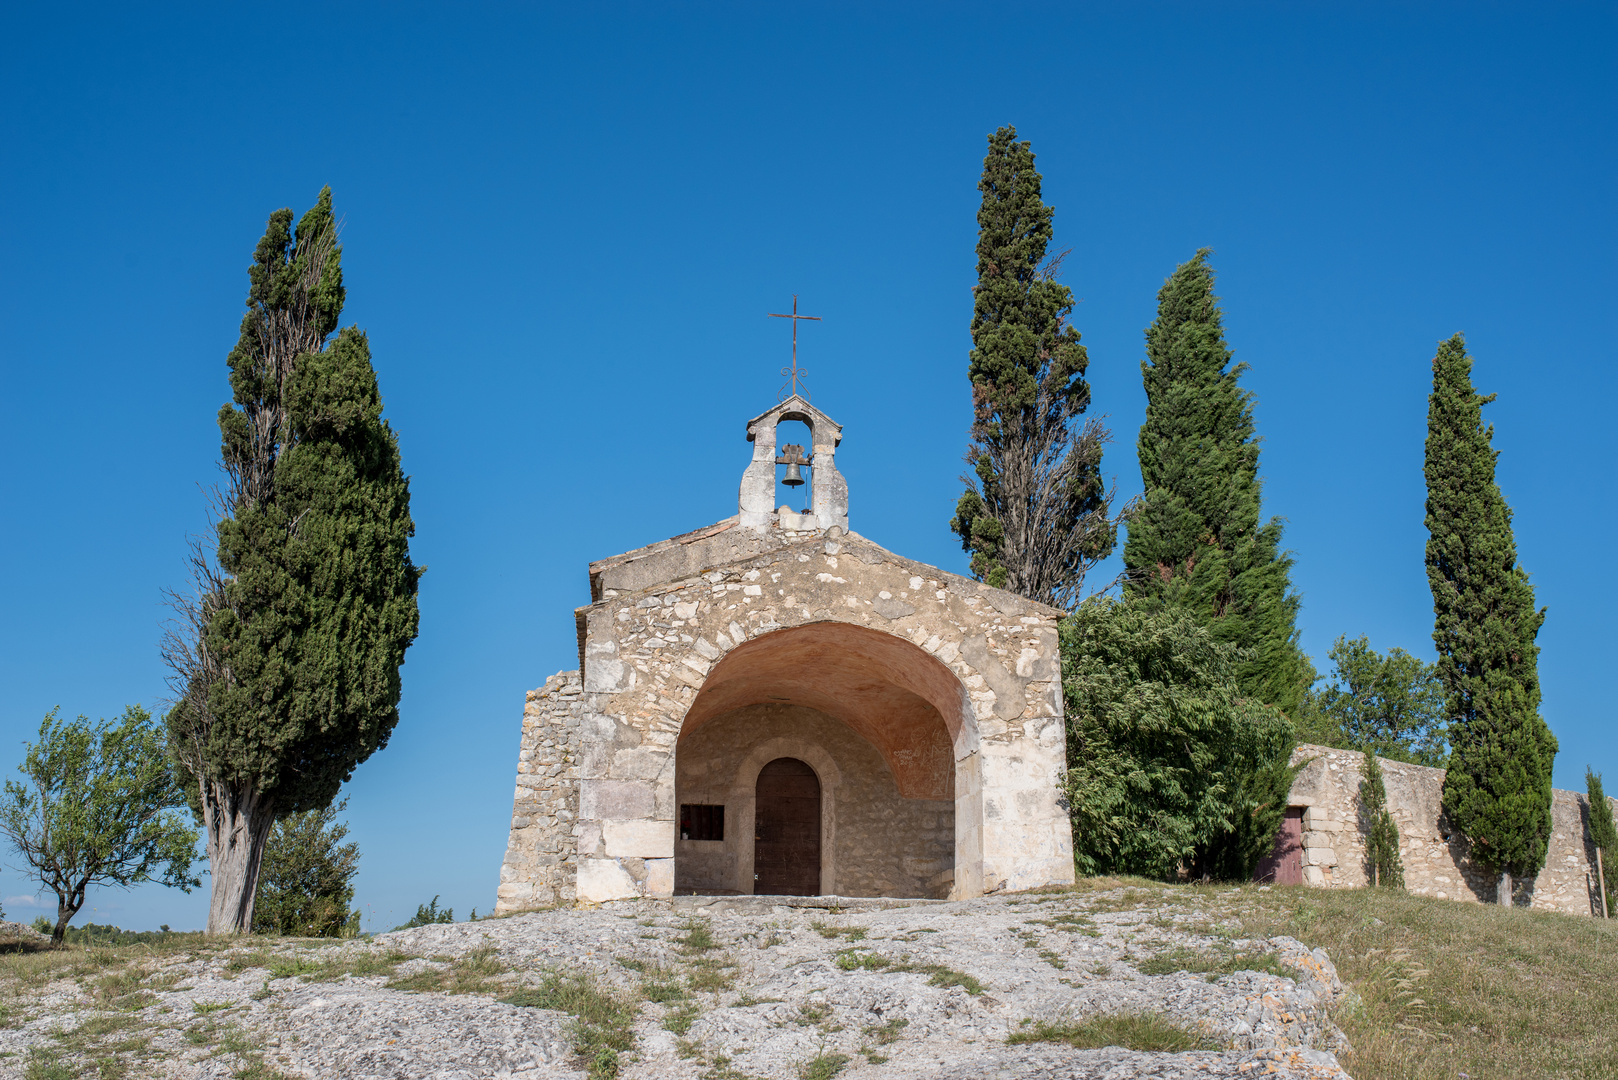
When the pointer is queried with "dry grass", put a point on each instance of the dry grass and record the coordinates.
(477, 972)
(1452, 989)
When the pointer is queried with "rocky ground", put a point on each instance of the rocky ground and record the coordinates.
(721, 989)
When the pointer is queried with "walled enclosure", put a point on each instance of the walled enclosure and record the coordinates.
(1435, 857)
(928, 704)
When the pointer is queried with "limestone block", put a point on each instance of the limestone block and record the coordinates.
(890, 608)
(1312, 875)
(605, 676)
(642, 763)
(1007, 687)
(638, 839)
(604, 879)
(660, 875)
(1319, 856)
(621, 799)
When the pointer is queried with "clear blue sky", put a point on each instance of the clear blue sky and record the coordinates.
(564, 226)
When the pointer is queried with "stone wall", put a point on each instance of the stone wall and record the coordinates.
(1436, 858)
(874, 841)
(983, 659)
(541, 861)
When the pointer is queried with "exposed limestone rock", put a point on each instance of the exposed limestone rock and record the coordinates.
(761, 986)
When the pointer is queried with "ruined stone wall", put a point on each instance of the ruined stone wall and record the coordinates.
(1436, 858)
(874, 842)
(542, 854)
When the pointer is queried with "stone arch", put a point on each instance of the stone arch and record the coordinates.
(744, 791)
(912, 709)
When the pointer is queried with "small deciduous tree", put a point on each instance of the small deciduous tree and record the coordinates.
(1158, 737)
(98, 804)
(1604, 836)
(1035, 516)
(1497, 789)
(1392, 705)
(306, 881)
(1383, 865)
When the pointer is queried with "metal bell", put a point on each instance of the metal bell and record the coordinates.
(793, 478)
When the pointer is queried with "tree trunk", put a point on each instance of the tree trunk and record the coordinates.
(1601, 883)
(67, 906)
(238, 823)
(1503, 890)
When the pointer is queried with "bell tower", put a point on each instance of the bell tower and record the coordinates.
(828, 491)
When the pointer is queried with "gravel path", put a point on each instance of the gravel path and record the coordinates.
(720, 989)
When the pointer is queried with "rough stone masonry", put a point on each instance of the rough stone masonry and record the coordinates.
(1437, 859)
(928, 707)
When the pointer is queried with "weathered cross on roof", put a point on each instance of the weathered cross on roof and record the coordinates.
(794, 373)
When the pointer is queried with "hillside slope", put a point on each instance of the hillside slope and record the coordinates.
(1120, 979)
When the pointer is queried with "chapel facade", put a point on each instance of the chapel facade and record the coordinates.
(776, 705)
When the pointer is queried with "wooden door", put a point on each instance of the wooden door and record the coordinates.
(1284, 864)
(786, 830)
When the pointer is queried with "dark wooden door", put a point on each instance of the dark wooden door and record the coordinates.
(786, 830)
(1284, 864)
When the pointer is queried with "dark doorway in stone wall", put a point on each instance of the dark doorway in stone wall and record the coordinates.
(786, 830)
(1284, 864)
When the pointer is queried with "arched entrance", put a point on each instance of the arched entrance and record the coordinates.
(786, 830)
(881, 729)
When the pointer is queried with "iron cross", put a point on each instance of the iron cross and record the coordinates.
(794, 373)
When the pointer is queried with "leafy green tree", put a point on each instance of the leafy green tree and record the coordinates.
(306, 881)
(1157, 731)
(1391, 705)
(1385, 867)
(1498, 787)
(287, 662)
(1603, 835)
(1035, 516)
(98, 805)
(1196, 539)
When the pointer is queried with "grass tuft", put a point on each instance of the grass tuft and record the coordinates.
(1132, 1031)
(603, 1024)
(1212, 963)
(823, 1066)
(698, 936)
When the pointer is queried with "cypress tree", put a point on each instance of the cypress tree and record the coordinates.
(1381, 832)
(1035, 515)
(291, 678)
(1604, 836)
(1196, 542)
(1196, 539)
(1498, 787)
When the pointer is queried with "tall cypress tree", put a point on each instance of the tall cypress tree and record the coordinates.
(1498, 787)
(290, 678)
(1196, 540)
(1035, 515)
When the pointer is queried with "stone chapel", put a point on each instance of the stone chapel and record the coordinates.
(775, 705)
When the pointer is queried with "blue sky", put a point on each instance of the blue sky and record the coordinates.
(564, 226)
